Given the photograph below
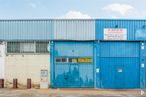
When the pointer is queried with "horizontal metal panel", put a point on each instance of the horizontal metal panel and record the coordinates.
(74, 49)
(119, 49)
(74, 30)
(68, 29)
(26, 29)
(135, 28)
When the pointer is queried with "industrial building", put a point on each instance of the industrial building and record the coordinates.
(94, 53)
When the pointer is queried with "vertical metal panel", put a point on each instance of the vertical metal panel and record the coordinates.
(73, 74)
(119, 49)
(111, 78)
(26, 29)
(142, 65)
(143, 61)
(74, 29)
(115, 56)
(52, 64)
(97, 66)
(135, 28)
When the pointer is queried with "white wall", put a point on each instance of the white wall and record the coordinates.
(2, 60)
(26, 66)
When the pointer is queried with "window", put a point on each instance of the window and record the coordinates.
(72, 60)
(27, 47)
(58, 60)
(42, 47)
(61, 60)
(13, 47)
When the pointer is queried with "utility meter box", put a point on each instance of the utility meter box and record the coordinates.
(44, 79)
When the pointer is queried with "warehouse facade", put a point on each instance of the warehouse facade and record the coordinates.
(25, 50)
(113, 58)
(98, 53)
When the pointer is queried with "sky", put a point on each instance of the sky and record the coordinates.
(72, 9)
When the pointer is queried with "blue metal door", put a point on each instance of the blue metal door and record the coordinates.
(119, 75)
(73, 64)
(119, 64)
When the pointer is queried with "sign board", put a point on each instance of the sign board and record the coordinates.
(44, 79)
(84, 60)
(120, 70)
(115, 34)
(142, 65)
(97, 70)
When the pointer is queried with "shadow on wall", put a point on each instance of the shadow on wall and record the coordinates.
(72, 78)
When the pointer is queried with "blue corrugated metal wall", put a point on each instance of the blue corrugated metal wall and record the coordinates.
(118, 62)
(72, 74)
(68, 29)
(136, 29)
(104, 59)
(113, 66)
(143, 61)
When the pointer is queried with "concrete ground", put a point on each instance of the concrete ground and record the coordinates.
(69, 93)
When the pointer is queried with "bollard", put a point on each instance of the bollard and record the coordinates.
(1, 83)
(15, 83)
(28, 83)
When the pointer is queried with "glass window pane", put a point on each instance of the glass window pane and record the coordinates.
(13, 47)
(72, 60)
(42, 47)
(61, 60)
(27, 47)
(64, 60)
(58, 60)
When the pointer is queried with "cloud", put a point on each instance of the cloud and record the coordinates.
(33, 5)
(114, 17)
(75, 15)
(122, 9)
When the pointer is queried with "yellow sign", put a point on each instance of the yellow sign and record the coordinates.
(84, 60)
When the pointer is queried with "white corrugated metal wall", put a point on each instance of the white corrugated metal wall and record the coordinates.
(74, 30)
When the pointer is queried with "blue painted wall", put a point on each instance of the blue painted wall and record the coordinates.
(136, 29)
(72, 74)
(108, 58)
(119, 65)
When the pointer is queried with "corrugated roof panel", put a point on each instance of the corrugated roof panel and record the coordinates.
(74, 30)
(26, 30)
(136, 29)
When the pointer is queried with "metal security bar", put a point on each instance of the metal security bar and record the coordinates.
(28, 47)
